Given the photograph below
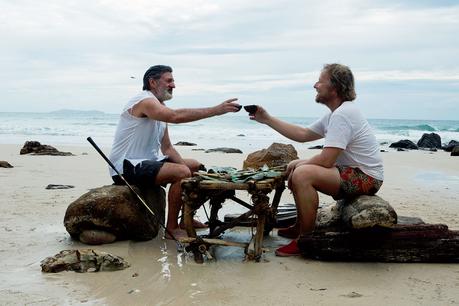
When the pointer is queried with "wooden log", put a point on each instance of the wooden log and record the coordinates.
(214, 242)
(401, 243)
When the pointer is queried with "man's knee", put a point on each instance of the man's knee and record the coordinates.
(193, 165)
(183, 172)
(303, 175)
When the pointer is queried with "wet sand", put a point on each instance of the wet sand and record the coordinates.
(417, 183)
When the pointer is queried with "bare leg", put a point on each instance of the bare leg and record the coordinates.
(307, 180)
(174, 173)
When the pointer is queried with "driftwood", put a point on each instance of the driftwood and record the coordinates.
(407, 241)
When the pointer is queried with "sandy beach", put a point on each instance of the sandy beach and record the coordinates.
(417, 183)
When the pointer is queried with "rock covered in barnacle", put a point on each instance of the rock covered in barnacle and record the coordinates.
(85, 260)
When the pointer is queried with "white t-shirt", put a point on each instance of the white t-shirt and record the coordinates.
(136, 139)
(347, 129)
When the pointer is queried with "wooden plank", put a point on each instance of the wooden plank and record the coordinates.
(402, 243)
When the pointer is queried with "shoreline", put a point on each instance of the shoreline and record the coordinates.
(417, 183)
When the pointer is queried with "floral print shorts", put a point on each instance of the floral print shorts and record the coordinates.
(354, 183)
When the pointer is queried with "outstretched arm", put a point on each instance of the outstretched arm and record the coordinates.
(291, 131)
(154, 109)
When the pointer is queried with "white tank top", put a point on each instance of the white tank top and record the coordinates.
(136, 139)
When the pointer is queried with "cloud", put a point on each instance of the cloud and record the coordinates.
(86, 51)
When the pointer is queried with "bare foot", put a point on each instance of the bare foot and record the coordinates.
(196, 224)
(178, 233)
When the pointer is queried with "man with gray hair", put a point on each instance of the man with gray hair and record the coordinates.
(142, 150)
(349, 163)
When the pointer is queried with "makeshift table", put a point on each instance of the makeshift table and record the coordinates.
(217, 188)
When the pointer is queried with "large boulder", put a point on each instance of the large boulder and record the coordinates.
(110, 213)
(404, 144)
(430, 140)
(277, 154)
(36, 148)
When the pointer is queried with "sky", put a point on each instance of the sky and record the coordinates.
(92, 54)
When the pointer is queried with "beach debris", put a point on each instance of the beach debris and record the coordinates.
(430, 140)
(36, 148)
(230, 174)
(5, 164)
(185, 143)
(224, 150)
(400, 243)
(353, 294)
(318, 147)
(277, 154)
(404, 144)
(57, 186)
(83, 260)
(110, 213)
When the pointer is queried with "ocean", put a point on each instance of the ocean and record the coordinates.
(231, 130)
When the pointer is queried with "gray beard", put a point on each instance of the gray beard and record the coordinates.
(167, 96)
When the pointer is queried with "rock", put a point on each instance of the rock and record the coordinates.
(114, 211)
(450, 146)
(224, 150)
(52, 186)
(455, 151)
(96, 237)
(367, 211)
(85, 260)
(36, 148)
(404, 144)
(361, 212)
(277, 154)
(431, 140)
(185, 143)
(5, 164)
(428, 149)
